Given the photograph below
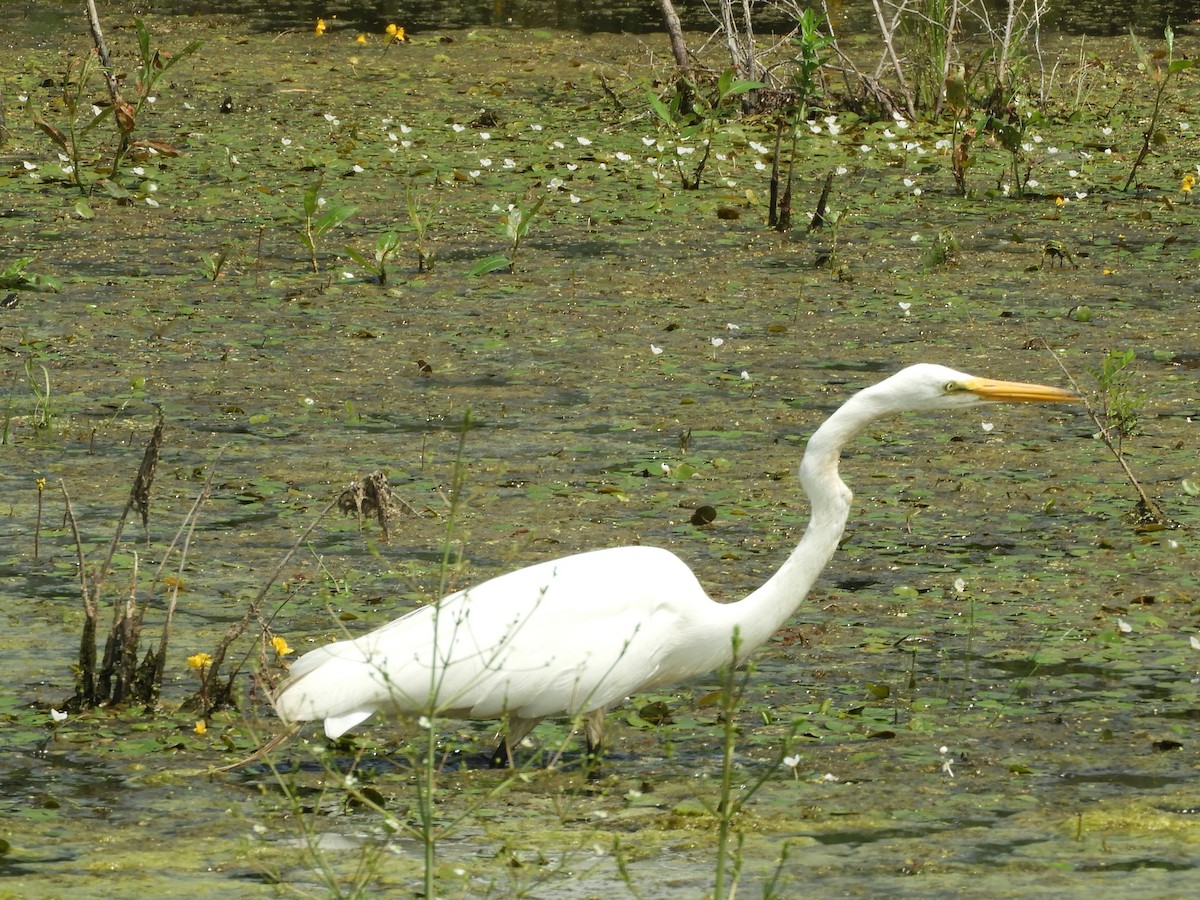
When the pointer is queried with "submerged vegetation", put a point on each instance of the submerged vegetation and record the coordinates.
(654, 276)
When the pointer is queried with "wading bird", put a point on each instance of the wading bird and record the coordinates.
(574, 635)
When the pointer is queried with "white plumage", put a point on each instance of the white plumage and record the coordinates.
(578, 634)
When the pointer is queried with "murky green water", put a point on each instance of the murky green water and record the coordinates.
(1031, 732)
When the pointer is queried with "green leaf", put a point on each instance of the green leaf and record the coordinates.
(489, 264)
(660, 108)
(57, 137)
(143, 39)
(332, 217)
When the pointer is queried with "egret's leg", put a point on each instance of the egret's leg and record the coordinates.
(514, 732)
(593, 731)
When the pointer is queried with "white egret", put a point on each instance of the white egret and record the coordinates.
(575, 635)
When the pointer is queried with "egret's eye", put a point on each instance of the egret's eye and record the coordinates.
(952, 387)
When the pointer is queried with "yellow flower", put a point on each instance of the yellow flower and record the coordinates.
(1189, 182)
(281, 646)
(200, 661)
(1058, 201)
(201, 727)
(396, 33)
(320, 29)
(41, 482)
(361, 39)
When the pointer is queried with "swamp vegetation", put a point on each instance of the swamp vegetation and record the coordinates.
(518, 273)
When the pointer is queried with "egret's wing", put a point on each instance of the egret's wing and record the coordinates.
(567, 635)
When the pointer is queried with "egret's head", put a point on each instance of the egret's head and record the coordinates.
(927, 386)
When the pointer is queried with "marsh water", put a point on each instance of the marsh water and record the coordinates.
(993, 689)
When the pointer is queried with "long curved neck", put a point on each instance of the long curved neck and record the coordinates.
(761, 614)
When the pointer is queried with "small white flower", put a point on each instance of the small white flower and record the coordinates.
(685, 151)
(947, 764)
(150, 201)
(1106, 130)
(667, 471)
(405, 129)
(458, 129)
(574, 199)
(287, 142)
(1195, 642)
(555, 183)
(649, 141)
(959, 585)
(474, 173)
(758, 148)
(485, 136)
(729, 326)
(987, 426)
(841, 170)
(717, 342)
(486, 162)
(584, 142)
(759, 165)
(655, 350)
(29, 167)
(1123, 626)
(623, 157)
(745, 375)
(357, 169)
(57, 716)
(510, 163)
(424, 722)
(309, 401)
(905, 307)
(535, 127)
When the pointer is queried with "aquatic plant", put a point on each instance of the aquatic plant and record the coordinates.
(385, 246)
(14, 277)
(1159, 68)
(516, 223)
(694, 117)
(318, 216)
(1116, 420)
(420, 217)
(125, 116)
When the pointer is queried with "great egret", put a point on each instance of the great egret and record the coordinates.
(575, 635)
